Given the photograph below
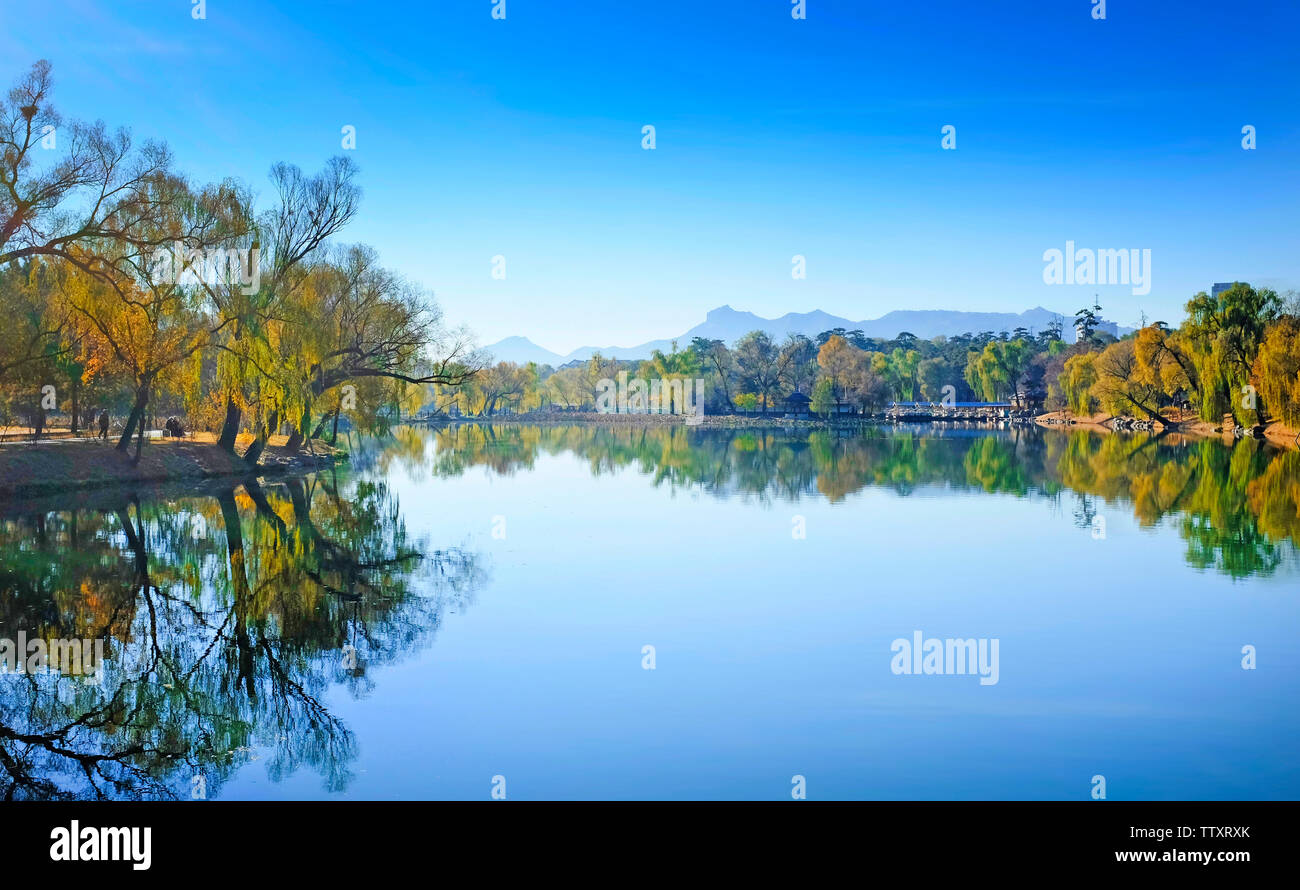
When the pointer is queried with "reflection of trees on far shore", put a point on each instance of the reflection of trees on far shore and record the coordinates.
(1236, 505)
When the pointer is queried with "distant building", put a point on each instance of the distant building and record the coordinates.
(797, 404)
(1221, 287)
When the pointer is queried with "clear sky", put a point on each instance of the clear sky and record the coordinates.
(522, 137)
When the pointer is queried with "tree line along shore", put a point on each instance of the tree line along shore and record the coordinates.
(131, 293)
(1232, 362)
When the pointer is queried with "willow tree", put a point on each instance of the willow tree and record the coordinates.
(1163, 360)
(65, 186)
(995, 370)
(144, 298)
(1225, 333)
(838, 359)
(863, 386)
(496, 387)
(1121, 387)
(37, 345)
(1076, 381)
(307, 212)
(35, 327)
(69, 192)
(1277, 368)
(147, 334)
(354, 322)
(903, 365)
(682, 365)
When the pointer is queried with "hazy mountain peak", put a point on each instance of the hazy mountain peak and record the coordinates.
(728, 324)
(725, 311)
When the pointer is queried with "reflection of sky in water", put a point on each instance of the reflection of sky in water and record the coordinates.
(773, 653)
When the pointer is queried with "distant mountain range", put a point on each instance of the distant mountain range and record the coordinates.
(729, 325)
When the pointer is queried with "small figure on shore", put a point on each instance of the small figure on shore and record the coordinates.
(174, 428)
(38, 423)
(103, 425)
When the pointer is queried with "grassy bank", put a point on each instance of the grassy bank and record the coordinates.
(27, 469)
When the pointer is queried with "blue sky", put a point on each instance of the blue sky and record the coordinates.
(775, 137)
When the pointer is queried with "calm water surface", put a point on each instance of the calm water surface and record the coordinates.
(476, 602)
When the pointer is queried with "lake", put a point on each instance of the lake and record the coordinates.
(629, 612)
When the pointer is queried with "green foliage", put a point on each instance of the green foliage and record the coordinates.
(823, 399)
(1077, 381)
(1225, 333)
(1277, 369)
(994, 371)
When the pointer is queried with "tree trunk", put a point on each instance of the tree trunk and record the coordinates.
(1152, 414)
(230, 427)
(135, 417)
(139, 442)
(254, 452)
(76, 409)
(128, 430)
(334, 434)
(297, 435)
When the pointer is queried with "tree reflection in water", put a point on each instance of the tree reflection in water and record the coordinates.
(228, 615)
(1235, 504)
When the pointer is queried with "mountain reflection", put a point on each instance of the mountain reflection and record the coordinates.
(228, 614)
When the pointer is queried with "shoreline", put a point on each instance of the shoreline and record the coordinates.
(1275, 433)
(51, 467)
(59, 466)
